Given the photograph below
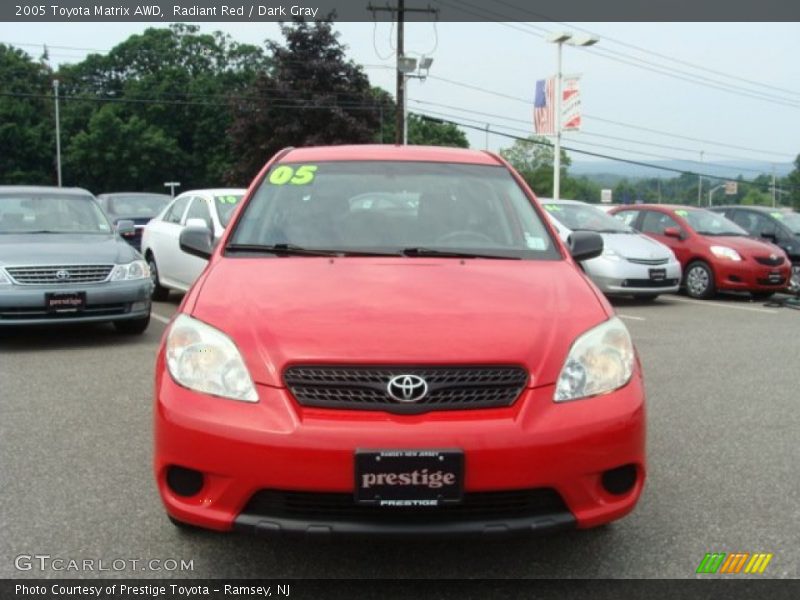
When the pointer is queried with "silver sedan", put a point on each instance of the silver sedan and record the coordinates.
(631, 264)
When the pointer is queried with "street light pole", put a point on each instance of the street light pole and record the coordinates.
(559, 39)
(557, 155)
(58, 132)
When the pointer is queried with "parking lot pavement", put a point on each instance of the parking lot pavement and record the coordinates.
(75, 451)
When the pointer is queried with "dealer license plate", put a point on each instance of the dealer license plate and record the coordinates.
(409, 477)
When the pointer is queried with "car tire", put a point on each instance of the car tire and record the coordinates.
(646, 297)
(132, 326)
(698, 280)
(761, 296)
(160, 293)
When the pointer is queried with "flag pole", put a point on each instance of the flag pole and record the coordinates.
(557, 150)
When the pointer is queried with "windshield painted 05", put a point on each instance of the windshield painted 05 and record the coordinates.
(394, 208)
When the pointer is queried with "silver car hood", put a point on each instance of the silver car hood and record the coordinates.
(635, 245)
(63, 249)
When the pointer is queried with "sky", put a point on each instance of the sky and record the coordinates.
(629, 105)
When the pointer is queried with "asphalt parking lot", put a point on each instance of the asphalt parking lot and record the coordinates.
(721, 377)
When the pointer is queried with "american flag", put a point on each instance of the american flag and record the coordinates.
(544, 107)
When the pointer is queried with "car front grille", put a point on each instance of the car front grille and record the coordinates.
(648, 261)
(96, 310)
(326, 506)
(774, 282)
(649, 283)
(769, 261)
(59, 274)
(366, 387)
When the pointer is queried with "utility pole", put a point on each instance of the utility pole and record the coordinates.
(402, 68)
(700, 182)
(58, 132)
(773, 186)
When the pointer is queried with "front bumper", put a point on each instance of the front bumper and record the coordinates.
(750, 276)
(244, 449)
(621, 277)
(110, 301)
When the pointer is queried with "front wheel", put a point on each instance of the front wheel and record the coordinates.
(132, 326)
(160, 293)
(699, 281)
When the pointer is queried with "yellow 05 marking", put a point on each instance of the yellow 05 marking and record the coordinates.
(284, 174)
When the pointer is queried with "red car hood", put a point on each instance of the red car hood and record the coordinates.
(398, 311)
(745, 246)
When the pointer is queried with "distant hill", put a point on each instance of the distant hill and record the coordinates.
(610, 172)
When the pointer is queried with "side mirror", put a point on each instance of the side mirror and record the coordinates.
(197, 223)
(673, 232)
(196, 240)
(126, 228)
(584, 245)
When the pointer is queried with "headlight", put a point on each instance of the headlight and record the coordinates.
(725, 252)
(4, 279)
(137, 269)
(610, 254)
(206, 360)
(601, 360)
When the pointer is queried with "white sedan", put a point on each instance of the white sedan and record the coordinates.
(170, 267)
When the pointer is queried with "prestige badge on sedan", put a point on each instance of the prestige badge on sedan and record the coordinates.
(407, 388)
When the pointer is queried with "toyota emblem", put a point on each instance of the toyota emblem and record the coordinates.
(407, 388)
(62, 274)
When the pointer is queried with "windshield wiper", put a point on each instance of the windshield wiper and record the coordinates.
(280, 250)
(295, 250)
(452, 254)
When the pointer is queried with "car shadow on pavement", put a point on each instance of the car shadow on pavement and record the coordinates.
(37, 338)
(564, 554)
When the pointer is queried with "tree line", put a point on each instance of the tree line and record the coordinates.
(200, 108)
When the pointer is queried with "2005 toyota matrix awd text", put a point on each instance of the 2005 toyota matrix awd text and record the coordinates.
(393, 341)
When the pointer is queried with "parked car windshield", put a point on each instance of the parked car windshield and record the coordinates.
(51, 213)
(790, 219)
(582, 217)
(225, 204)
(394, 207)
(706, 222)
(137, 205)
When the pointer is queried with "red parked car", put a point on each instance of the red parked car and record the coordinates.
(393, 341)
(715, 253)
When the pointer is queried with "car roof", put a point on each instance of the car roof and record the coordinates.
(390, 152)
(43, 189)
(667, 207)
(113, 194)
(561, 201)
(214, 191)
(762, 209)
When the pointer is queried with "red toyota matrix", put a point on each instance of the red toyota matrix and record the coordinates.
(393, 341)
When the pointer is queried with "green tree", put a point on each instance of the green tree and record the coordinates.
(120, 152)
(756, 197)
(793, 183)
(27, 132)
(177, 80)
(533, 158)
(311, 95)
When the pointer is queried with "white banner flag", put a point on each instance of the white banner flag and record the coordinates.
(570, 104)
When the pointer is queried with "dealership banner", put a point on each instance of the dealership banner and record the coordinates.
(570, 104)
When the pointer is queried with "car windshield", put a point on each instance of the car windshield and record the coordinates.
(51, 213)
(225, 204)
(582, 217)
(394, 207)
(790, 219)
(706, 222)
(137, 205)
